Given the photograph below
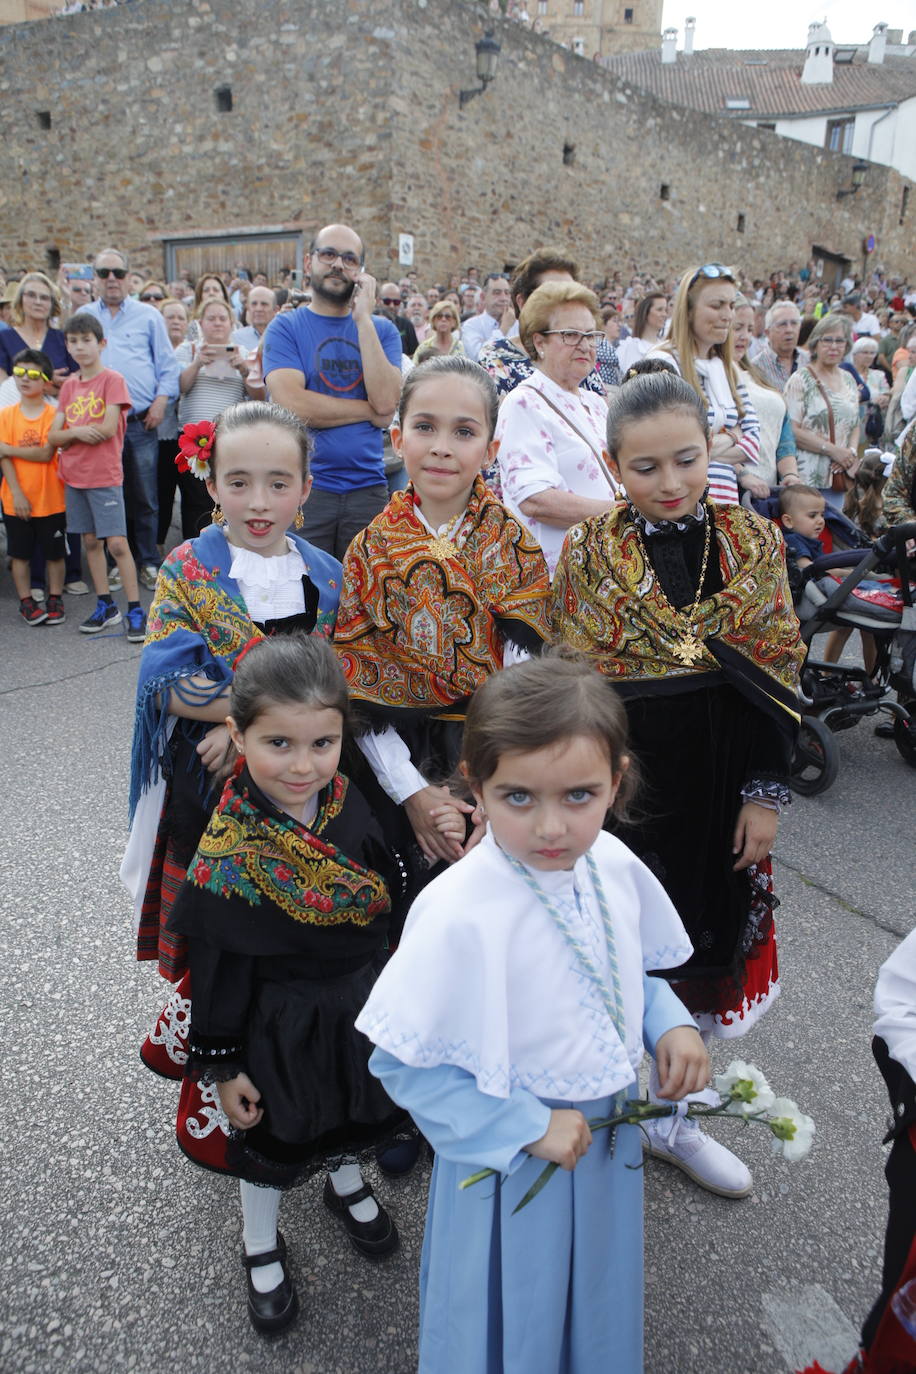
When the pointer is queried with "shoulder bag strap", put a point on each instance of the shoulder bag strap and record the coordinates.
(599, 457)
(823, 391)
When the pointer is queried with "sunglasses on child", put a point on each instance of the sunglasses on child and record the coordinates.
(106, 272)
(33, 373)
(712, 270)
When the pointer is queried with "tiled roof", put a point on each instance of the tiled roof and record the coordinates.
(769, 80)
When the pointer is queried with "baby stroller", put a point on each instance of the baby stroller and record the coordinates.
(872, 593)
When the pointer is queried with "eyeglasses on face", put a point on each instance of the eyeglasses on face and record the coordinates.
(106, 272)
(33, 373)
(152, 298)
(572, 338)
(391, 300)
(329, 255)
(36, 296)
(712, 270)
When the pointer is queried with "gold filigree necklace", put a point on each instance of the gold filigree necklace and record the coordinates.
(688, 648)
(441, 544)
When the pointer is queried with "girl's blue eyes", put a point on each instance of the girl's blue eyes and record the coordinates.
(576, 796)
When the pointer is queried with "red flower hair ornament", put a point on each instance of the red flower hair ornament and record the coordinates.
(195, 445)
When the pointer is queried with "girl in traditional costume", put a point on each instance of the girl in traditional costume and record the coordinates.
(442, 589)
(684, 605)
(285, 912)
(515, 1009)
(241, 579)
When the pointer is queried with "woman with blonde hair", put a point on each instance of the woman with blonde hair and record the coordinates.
(35, 304)
(823, 404)
(444, 338)
(699, 345)
(551, 432)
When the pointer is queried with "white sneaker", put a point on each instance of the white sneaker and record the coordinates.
(149, 576)
(679, 1141)
(37, 593)
(77, 588)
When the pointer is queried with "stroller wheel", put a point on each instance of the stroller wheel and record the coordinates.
(816, 759)
(905, 734)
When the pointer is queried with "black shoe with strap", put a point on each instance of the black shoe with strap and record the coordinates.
(375, 1238)
(271, 1312)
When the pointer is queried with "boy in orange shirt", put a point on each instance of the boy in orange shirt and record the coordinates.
(32, 494)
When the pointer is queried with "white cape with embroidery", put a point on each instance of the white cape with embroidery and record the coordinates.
(484, 981)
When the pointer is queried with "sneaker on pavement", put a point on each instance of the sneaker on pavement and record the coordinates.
(56, 613)
(38, 593)
(136, 625)
(114, 580)
(105, 614)
(703, 1159)
(31, 612)
(148, 576)
(78, 588)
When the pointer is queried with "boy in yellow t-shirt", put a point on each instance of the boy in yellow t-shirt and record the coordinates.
(32, 494)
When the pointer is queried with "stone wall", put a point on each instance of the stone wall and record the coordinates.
(343, 109)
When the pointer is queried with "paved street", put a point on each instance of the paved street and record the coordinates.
(119, 1255)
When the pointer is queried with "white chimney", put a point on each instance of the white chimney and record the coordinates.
(689, 26)
(877, 44)
(669, 45)
(818, 69)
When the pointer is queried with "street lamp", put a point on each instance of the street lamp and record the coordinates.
(859, 170)
(487, 50)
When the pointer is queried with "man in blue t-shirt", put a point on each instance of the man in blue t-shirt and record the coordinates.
(338, 366)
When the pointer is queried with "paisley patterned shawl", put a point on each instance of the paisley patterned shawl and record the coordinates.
(198, 625)
(418, 630)
(252, 855)
(607, 602)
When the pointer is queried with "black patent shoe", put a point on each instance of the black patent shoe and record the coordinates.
(271, 1312)
(375, 1238)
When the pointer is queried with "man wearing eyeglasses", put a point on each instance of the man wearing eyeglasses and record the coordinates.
(338, 366)
(137, 346)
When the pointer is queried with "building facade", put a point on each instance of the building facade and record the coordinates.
(162, 126)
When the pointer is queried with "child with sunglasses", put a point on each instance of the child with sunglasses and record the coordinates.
(32, 493)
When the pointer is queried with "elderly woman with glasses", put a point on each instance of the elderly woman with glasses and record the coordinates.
(823, 404)
(444, 338)
(35, 304)
(700, 348)
(552, 458)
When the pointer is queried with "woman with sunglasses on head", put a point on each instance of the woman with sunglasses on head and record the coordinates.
(35, 304)
(699, 345)
(551, 432)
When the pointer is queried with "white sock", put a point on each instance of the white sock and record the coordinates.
(260, 1207)
(348, 1179)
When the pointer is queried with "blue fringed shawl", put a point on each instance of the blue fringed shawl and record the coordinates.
(198, 625)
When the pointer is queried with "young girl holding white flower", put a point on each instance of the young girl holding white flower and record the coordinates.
(515, 1009)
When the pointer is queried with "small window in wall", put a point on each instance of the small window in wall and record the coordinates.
(542, 7)
(904, 203)
(764, 125)
(569, 154)
(839, 135)
(578, 7)
(741, 223)
(223, 96)
(665, 192)
(628, 16)
(44, 118)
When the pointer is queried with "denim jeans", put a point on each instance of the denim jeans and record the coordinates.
(141, 492)
(333, 518)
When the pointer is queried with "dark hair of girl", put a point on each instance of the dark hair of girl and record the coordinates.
(244, 414)
(864, 501)
(649, 389)
(544, 701)
(295, 670)
(454, 366)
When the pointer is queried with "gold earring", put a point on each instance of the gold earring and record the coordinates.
(216, 515)
(299, 520)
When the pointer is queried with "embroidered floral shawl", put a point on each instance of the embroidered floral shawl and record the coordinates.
(198, 625)
(607, 602)
(419, 629)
